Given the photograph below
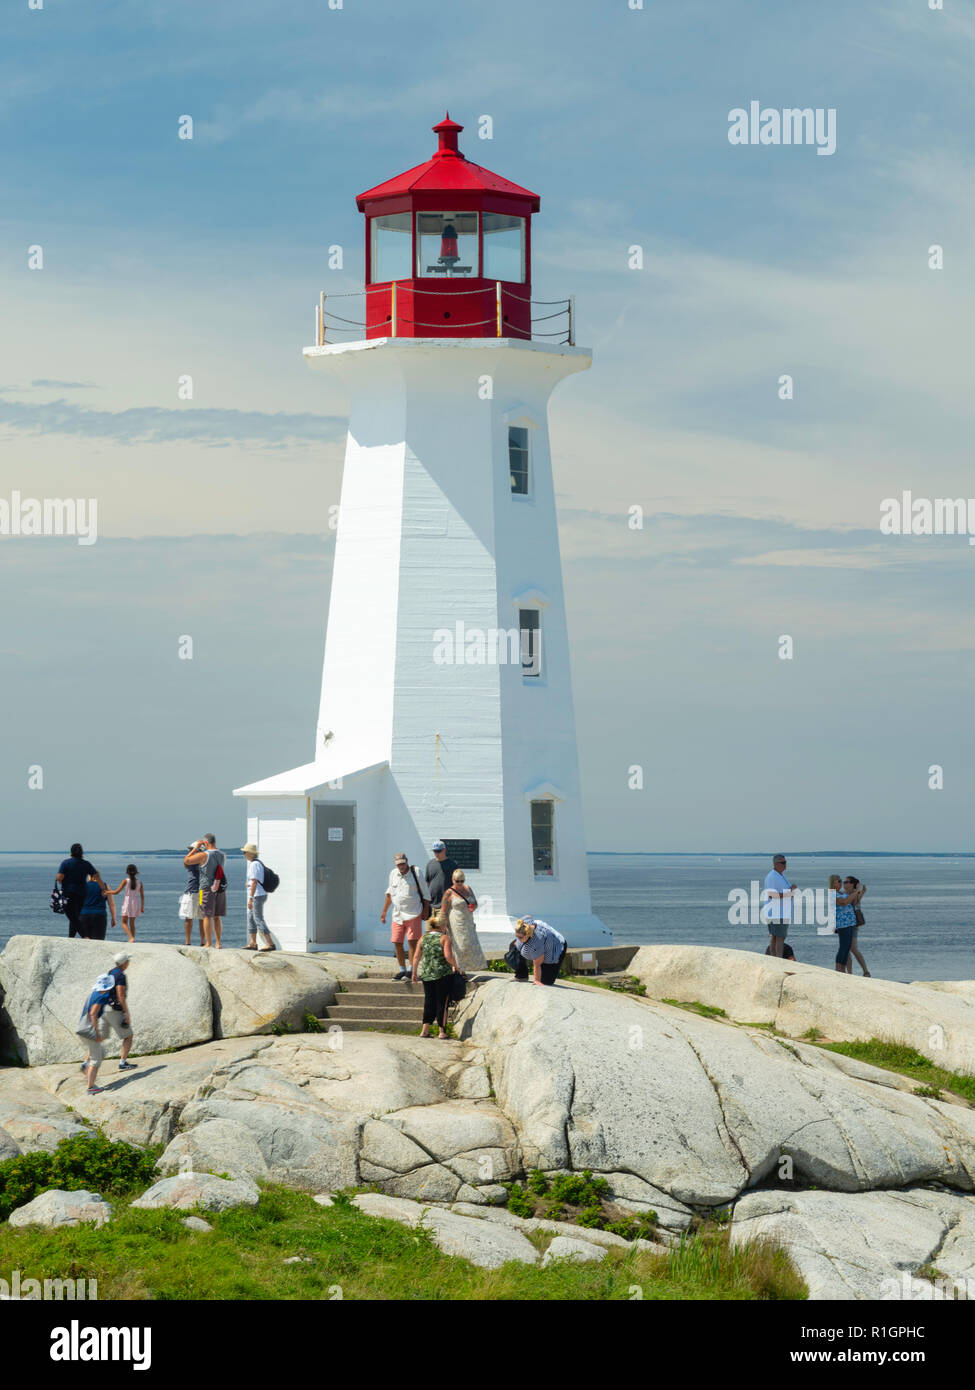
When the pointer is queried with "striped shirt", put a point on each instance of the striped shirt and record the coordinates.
(545, 943)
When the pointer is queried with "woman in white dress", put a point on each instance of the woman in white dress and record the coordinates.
(457, 917)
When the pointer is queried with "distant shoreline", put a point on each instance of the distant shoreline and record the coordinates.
(619, 853)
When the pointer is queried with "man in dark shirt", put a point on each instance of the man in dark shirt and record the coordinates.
(439, 874)
(73, 875)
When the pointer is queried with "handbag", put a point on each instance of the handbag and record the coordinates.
(59, 899)
(425, 902)
(457, 987)
(860, 919)
(512, 955)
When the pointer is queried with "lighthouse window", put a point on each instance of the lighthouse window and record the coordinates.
(446, 243)
(543, 838)
(391, 250)
(504, 247)
(529, 623)
(518, 459)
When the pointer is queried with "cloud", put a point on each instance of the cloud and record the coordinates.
(42, 384)
(156, 425)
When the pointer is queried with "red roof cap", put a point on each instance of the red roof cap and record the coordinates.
(450, 171)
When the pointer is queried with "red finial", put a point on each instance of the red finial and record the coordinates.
(448, 131)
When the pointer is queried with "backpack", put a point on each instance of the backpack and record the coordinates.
(271, 879)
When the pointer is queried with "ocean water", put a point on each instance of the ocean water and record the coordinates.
(920, 910)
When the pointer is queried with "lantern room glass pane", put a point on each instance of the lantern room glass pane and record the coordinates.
(391, 251)
(504, 248)
(446, 243)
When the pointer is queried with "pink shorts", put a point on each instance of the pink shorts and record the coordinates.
(412, 929)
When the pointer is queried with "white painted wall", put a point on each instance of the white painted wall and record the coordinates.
(430, 534)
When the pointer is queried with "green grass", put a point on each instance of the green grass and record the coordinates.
(694, 1007)
(150, 1254)
(905, 1060)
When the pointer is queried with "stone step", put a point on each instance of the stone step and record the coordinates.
(376, 984)
(357, 1024)
(365, 1008)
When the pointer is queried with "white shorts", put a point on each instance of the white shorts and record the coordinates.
(189, 907)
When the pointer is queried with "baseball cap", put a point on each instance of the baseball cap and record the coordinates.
(438, 844)
(401, 859)
(121, 957)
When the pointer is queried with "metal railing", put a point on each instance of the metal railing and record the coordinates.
(327, 321)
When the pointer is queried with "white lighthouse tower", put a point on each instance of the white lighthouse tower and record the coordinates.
(446, 704)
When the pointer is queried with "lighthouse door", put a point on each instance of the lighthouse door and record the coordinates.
(333, 876)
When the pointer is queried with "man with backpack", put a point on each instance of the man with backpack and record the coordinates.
(89, 1028)
(409, 897)
(260, 881)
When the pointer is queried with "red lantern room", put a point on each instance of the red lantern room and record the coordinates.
(448, 250)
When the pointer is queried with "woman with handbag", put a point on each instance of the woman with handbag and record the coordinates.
(434, 965)
(851, 884)
(457, 919)
(845, 920)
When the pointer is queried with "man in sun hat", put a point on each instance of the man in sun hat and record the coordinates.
(256, 896)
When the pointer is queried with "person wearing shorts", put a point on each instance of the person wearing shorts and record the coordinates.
(93, 1011)
(189, 903)
(405, 894)
(777, 909)
(115, 1017)
(205, 855)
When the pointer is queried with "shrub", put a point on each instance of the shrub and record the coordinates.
(312, 1025)
(89, 1160)
(520, 1203)
(500, 966)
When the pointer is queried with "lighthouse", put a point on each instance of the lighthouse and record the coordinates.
(446, 702)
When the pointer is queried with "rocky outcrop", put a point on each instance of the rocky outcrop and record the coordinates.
(178, 996)
(486, 1244)
(57, 1208)
(680, 1114)
(865, 1246)
(253, 991)
(937, 1022)
(697, 1109)
(203, 1190)
(46, 982)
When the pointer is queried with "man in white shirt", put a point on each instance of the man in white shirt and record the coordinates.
(777, 911)
(256, 894)
(406, 894)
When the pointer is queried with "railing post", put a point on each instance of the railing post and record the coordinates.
(394, 308)
(321, 314)
(572, 320)
(497, 296)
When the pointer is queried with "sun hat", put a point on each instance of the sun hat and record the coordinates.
(248, 848)
(104, 982)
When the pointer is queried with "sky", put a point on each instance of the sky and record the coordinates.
(164, 258)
